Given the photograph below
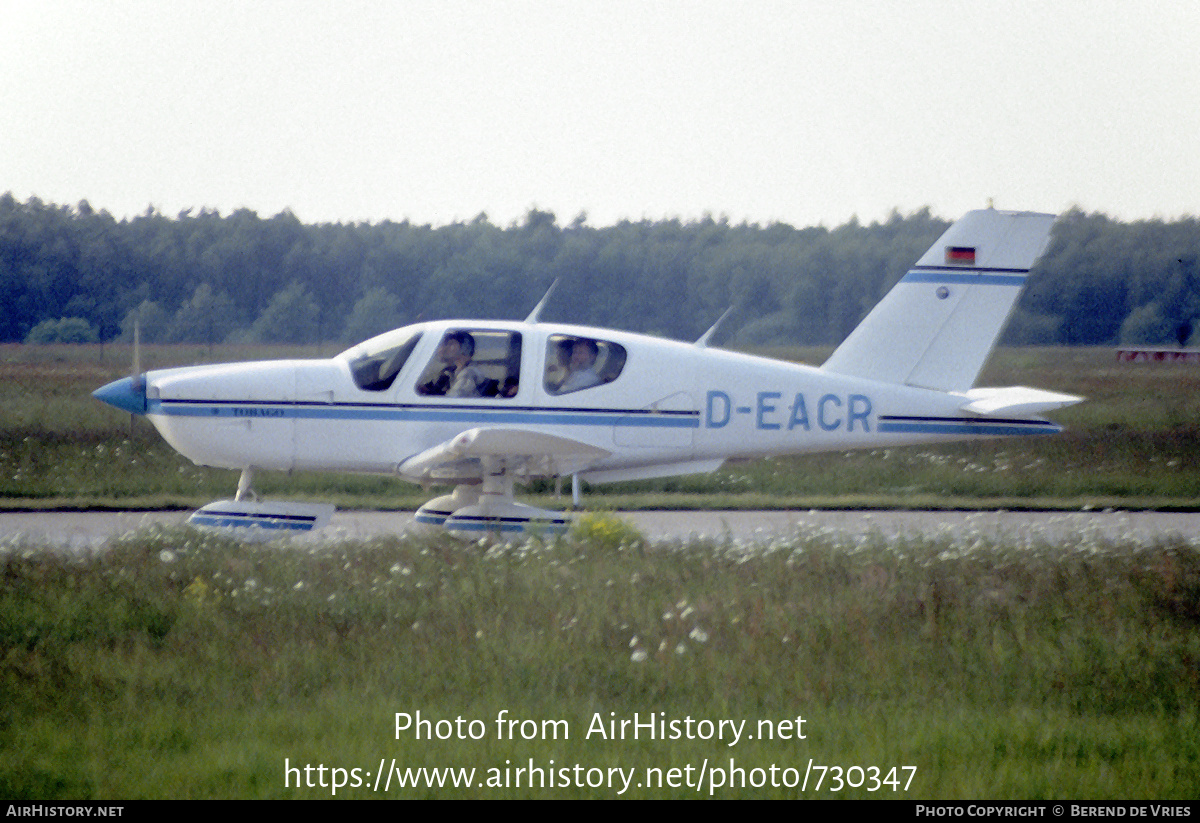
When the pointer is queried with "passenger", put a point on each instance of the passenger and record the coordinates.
(512, 371)
(581, 366)
(458, 378)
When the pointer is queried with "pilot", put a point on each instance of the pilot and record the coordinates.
(458, 378)
(581, 366)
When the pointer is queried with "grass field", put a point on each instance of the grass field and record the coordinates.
(179, 665)
(1133, 444)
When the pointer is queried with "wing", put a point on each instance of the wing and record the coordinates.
(526, 453)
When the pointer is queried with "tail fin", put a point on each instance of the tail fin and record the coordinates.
(938, 325)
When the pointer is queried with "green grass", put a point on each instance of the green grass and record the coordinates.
(175, 664)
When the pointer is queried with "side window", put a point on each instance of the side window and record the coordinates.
(380, 359)
(577, 363)
(473, 363)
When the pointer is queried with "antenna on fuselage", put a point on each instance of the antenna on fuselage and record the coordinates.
(703, 341)
(533, 315)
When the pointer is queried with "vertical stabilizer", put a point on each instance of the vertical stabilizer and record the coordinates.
(936, 327)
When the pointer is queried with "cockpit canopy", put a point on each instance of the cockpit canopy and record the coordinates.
(477, 361)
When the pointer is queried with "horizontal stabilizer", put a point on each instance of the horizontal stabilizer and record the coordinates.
(1015, 401)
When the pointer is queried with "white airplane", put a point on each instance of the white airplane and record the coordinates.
(480, 405)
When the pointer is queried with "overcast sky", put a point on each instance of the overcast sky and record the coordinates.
(804, 112)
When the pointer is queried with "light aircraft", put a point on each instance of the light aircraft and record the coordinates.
(481, 405)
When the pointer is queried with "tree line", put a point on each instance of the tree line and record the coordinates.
(73, 273)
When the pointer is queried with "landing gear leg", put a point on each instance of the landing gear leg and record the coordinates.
(435, 512)
(244, 491)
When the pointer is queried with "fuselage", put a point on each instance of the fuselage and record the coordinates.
(656, 407)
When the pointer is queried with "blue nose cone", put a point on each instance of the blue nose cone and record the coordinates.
(128, 394)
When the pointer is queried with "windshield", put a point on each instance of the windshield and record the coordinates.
(376, 362)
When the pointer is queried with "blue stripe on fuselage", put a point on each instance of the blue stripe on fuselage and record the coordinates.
(267, 410)
(978, 427)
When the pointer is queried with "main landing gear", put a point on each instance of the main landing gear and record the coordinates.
(488, 507)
